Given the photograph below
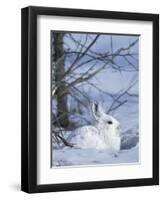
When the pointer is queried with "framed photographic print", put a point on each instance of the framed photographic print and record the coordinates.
(90, 99)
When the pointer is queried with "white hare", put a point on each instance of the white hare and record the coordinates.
(105, 134)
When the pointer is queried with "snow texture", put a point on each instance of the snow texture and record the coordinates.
(77, 156)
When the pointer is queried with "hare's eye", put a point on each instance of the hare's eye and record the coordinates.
(110, 122)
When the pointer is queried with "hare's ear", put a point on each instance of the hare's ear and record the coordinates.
(97, 110)
(94, 108)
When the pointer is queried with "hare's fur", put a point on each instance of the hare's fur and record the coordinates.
(105, 134)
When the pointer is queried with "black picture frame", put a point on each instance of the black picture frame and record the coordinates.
(29, 99)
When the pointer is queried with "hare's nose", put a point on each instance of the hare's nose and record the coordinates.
(118, 127)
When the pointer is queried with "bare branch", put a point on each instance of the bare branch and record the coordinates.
(120, 104)
(82, 54)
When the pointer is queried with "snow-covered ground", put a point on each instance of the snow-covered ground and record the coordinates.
(129, 153)
(77, 157)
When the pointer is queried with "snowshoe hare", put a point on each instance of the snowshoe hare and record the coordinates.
(105, 134)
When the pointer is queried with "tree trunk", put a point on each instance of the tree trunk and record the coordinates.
(62, 108)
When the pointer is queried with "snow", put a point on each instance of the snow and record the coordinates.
(77, 157)
(129, 153)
